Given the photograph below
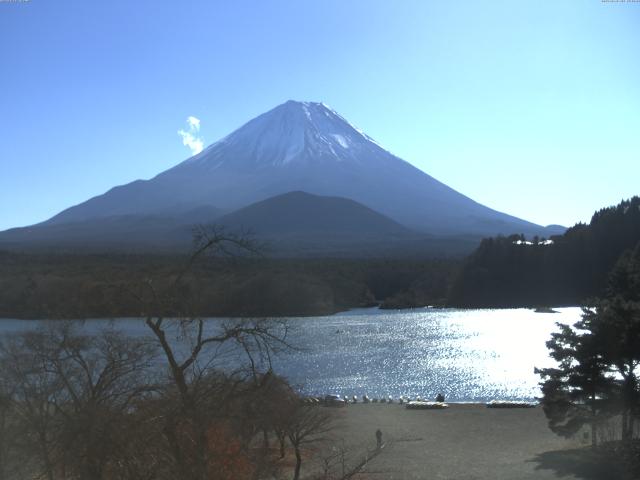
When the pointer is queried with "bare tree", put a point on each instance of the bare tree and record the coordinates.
(307, 425)
(73, 395)
(34, 393)
(335, 459)
(96, 407)
(6, 450)
(195, 350)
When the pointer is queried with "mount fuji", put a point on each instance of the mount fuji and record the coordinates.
(295, 147)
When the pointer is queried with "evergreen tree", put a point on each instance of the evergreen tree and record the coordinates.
(505, 272)
(617, 325)
(578, 392)
(598, 359)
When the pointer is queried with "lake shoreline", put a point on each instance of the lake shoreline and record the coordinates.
(329, 313)
(470, 356)
(463, 441)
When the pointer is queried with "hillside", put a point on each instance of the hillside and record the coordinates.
(128, 233)
(295, 224)
(300, 213)
(510, 272)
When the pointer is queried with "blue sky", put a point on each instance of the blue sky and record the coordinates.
(529, 107)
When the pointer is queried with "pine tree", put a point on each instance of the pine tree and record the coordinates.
(598, 359)
(578, 392)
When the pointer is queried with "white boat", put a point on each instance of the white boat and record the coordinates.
(510, 404)
(420, 405)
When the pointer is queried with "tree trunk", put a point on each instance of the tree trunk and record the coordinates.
(169, 431)
(45, 456)
(201, 449)
(296, 473)
(625, 425)
(3, 436)
(594, 413)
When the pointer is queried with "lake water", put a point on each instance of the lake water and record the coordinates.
(468, 355)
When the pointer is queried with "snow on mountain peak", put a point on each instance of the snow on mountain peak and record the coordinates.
(292, 132)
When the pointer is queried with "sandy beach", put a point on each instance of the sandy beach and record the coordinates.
(463, 442)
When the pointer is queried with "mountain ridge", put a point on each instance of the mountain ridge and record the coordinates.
(294, 224)
(302, 146)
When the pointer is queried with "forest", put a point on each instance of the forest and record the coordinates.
(503, 272)
(88, 286)
(566, 269)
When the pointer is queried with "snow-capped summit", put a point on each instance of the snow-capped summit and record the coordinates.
(291, 132)
(302, 146)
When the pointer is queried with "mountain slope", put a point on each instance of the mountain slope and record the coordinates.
(301, 224)
(126, 231)
(295, 224)
(309, 147)
(302, 214)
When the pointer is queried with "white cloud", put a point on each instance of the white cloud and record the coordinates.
(190, 137)
(194, 123)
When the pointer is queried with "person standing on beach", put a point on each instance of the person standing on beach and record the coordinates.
(379, 438)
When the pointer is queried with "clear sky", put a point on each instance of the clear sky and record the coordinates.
(529, 107)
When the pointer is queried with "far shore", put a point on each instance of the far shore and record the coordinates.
(327, 313)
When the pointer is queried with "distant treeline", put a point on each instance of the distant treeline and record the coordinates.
(90, 286)
(502, 272)
(515, 272)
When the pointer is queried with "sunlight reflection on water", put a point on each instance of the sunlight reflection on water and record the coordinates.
(468, 355)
